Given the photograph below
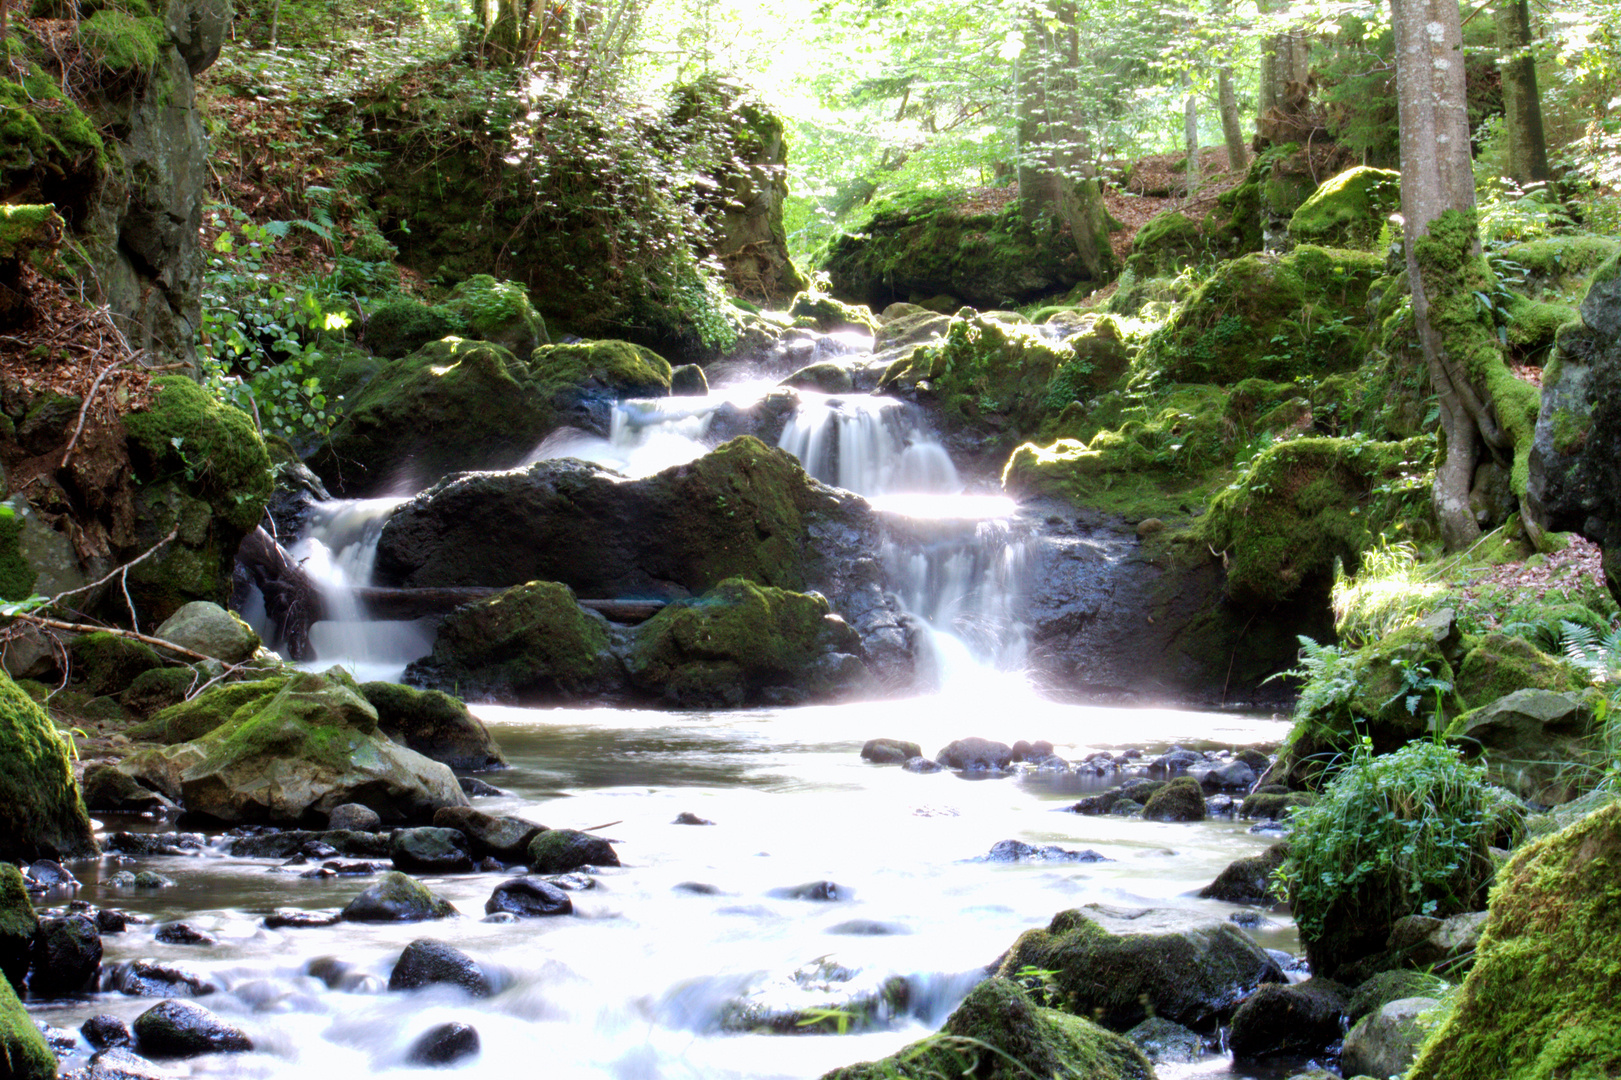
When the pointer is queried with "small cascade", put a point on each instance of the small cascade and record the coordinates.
(868, 445)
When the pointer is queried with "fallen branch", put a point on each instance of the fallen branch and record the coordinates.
(49, 623)
(84, 409)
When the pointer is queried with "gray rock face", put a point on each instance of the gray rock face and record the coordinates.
(1384, 1043)
(430, 850)
(507, 838)
(205, 627)
(354, 817)
(975, 754)
(1529, 739)
(181, 1029)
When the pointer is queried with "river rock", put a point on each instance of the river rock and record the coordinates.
(182, 933)
(975, 755)
(1529, 739)
(434, 724)
(1174, 760)
(67, 956)
(1005, 851)
(687, 817)
(1288, 1018)
(164, 843)
(1388, 986)
(1167, 1043)
(557, 851)
(22, 1047)
(181, 1029)
(505, 837)
(103, 1031)
(813, 890)
(1249, 880)
(298, 918)
(303, 746)
(890, 751)
(122, 1063)
(921, 764)
(109, 790)
(1385, 1042)
(357, 818)
(18, 926)
(397, 897)
(41, 815)
(149, 978)
(1180, 800)
(445, 1044)
(1223, 776)
(426, 963)
(528, 898)
(46, 874)
(1123, 964)
(1036, 1041)
(430, 850)
(207, 628)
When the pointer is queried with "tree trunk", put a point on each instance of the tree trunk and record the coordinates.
(1190, 135)
(1232, 131)
(1522, 105)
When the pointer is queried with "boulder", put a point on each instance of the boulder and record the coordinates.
(1528, 740)
(1499, 664)
(22, 1047)
(528, 898)
(741, 643)
(41, 815)
(1006, 851)
(428, 963)
(293, 751)
(1387, 986)
(557, 851)
(109, 790)
(1249, 880)
(998, 1030)
(103, 1031)
(974, 754)
(67, 956)
(18, 925)
(434, 724)
(890, 751)
(1385, 1042)
(353, 817)
(183, 933)
(430, 850)
(148, 978)
(181, 1029)
(444, 1044)
(1165, 1042)
(1288, 1018)
(1121, 965)
(1180, 800)
(397, 897)
(1350, 210)
(205, 627)
(1223, 776)
(499, 312)
(506, 838)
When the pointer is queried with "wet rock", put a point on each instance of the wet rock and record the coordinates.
(18, 925)
(282, 843)
(1288, 1018)
(813, 890)
(151, 879)
(297, 918)
(688, 380)
(431, 850)
(429, 963)
(23, 1049)
(341, 975)
(445, 1044)
(1004, 851)
(1248, 880)
(397, 898)
(148, 844)
(122, 1063)
(921, 765)
(45, 874)
(1385, 1042)
(1167, 1043)
(207, 628)
(354, 817)
(182, 1029)
(1220, 806)
(528, 898)
(557, 851)
(697, 888)
(111, 921)
(109, 790)
(823, 996)
(434, 724)
(975, 755)
(1223, 776)
(1174, 760)
(571, 882)
(867, 928)
(890, 751)
(505, 837)
(1123, 964)
(181, 933)
(687, 817)
(67, 956)
(1180, 800)
(1040, 750)
(474, 788)
(41, 814)
(104, 1031)
(148, 978)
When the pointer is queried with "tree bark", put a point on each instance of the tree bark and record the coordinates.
(1190, 135)
(1522, 104)
(1232, 130)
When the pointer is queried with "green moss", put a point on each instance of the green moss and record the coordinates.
(1348, 210)
(528, 638)
(212, 709)
(1560, 264)
(17, 577)
(43, 133)
(122, 43)
(998, 1033)
(828, 315)
(41, 814)
(1533, 324)
(1180, 800)
(498, 311)
(629, 370)
(312, 718)
(400, 327)
(104, 663)
(1166, 244)
(22, 1048)
(1501, 664)
(1543, 1000)
(214, 446)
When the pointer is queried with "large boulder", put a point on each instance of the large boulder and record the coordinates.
(182, 1029)
(999, 1031)
(1288, 1018)
(1385, 1042)
(22, 1047)
(41, 813)
(1349, 210)
(18, 925)
(434, 724)
(1529, 740)
(297, 749)
(1120, 965)
(67, 956)
(499, 312)
(742, 642)
(205, 627)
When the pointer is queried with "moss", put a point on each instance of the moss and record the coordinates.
(532, 641)
(1388, 986)
(1533, 324)
(1543, 1000)
(22, 1048)
(17, 577)
(104, 663)
(160, 688)
(400, 327)
(1348, 210)
(626, 369)
(43, 133)
(122, 43)
(1274, 806)
(214, 446)
(1500, 664)
(1166, 244)
(41, 813)
(1180, 800)
(498, 311)
(1559, 264)
(998, 1033)
(831, 316)
(212, 709)
(311, 718)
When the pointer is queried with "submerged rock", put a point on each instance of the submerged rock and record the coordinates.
(430, 850)
(821, 997)
(103, 1031)
(397, 897)
(181, 1029)
(148, 978)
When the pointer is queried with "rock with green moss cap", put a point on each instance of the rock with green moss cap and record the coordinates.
(1387, 986)
(531, 643)
(18, 925)
(1180, 800)
(1500, 664)
(1249, 880)
(106, 663)
(999, 1031)
(192, 719)
(155, 690)
(1120, 965)
(293, 756)
(1167, 243)
(558, 851)
(741, 643)
(41, 814)
(207, 628)
(398, 328)
(1534, 742)
(22, 1047)
(1543, 999)
(499, 312)
(1385, 1042)
(1349, 210)
(434, 724)
(818, 311)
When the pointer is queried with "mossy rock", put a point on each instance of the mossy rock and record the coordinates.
(434, 724)
(17, 574)
(1543, 999)
(1349, 210)
(1557, 267)
(18, 925)
(22, 1047)
(1148, 298)
(531, 643)
(105, 663)
(998, 1031)
(1272, 189)
(41, 813)
(1304, 504)
(1121, 965)
(214, 707)
(1168, 243)
(618, 367)
(400, 327)
(831, 316)
(741, 640)
(1388, 986)
(1535, 743)
(122, 43)
(1180, 800)
(1498, 664)
(1249, 880)
(189, 434)
(499, 312)
(1274, 806)
(50, 151)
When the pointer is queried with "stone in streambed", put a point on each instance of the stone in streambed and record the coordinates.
(528, 898)
(182, 933)
(1288, 1018)
(122, 1063)
(67, 956)
(357, 818)
(975, 755)
(431, 850)
(813, 890)
(1249, 880)
(205, 627)
(1006, 851)
(181, 1029)
(1180, 800)
(505, 837)
(103, 1031)
(434, 724)
(557, 851)
(397, 897)
(1165, 1042)
(428, 963)
(445, 1044)
(890, 751)
(1385, 1042)
(149, 978)
(109, 790)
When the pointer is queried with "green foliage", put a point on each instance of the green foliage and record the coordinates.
(1508, 214)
